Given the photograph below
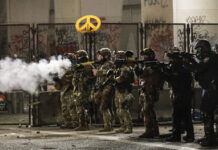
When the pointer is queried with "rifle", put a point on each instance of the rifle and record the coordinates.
(91, 63)
(119, 62)
(180, 55)
(79, 66)
(105, 83)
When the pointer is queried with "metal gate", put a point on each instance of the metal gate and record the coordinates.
(15, 42)
(31, 43)
(55, 39)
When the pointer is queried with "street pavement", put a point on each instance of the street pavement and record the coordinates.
(51, 137)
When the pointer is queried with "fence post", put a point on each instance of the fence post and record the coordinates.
(145, 36)
(94, 48)
(90, 46)
(141, 38)
(86, 42)
(33, 31)
(188, 38)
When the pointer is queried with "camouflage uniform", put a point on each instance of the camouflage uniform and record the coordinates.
(151, 77)
(104, 96)
(216, 110)
(69, 117)
(124, 98)
(82, 80)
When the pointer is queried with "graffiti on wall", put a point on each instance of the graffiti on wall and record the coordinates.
(180, 38)
(108, 36)
(19, 42)
(160, 39)
(163, 37)
(196, 19)
(67, 40)
(41, 42)
(208, 32)
(160, 3)
(155, 20)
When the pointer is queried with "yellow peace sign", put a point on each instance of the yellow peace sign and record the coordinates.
(88, 27)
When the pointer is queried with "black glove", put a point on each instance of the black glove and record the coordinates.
(109, 72)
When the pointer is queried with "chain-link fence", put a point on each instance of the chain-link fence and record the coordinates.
(163, 37)
(15, 42)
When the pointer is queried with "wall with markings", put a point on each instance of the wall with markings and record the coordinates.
(159, 38)
(198, 11)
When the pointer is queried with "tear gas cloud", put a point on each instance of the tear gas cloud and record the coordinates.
(19, 75)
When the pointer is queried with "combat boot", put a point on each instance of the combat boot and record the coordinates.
(208, 142)
(81, 128)
(176, 136)
(189, 138)
(147, 135)
(155, 131)
(105, 129)
(66, 126)
(120, 130)
(174, 139)
(82, 125)
(128, 130)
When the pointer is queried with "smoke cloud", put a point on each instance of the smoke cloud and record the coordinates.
(16, 74)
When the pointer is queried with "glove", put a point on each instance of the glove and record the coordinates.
(109, 72)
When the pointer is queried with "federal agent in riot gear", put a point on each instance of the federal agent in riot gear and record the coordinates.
(207, 76)
(180, 79)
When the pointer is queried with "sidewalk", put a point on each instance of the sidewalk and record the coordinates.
(52, 137)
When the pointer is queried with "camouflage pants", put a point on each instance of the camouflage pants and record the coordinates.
(67, 110)
(150, 121)
(122, 109)
(107, 117)
(81, 102)
(73, 114)
(104, 100)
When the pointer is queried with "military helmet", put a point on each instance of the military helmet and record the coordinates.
(205, 49)
(204, 44)
(121, 54)
(71, 57)
(174, 55)
(129, 53)
(68, 54)
(82, 55)
(149, 52)
(105, 52)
